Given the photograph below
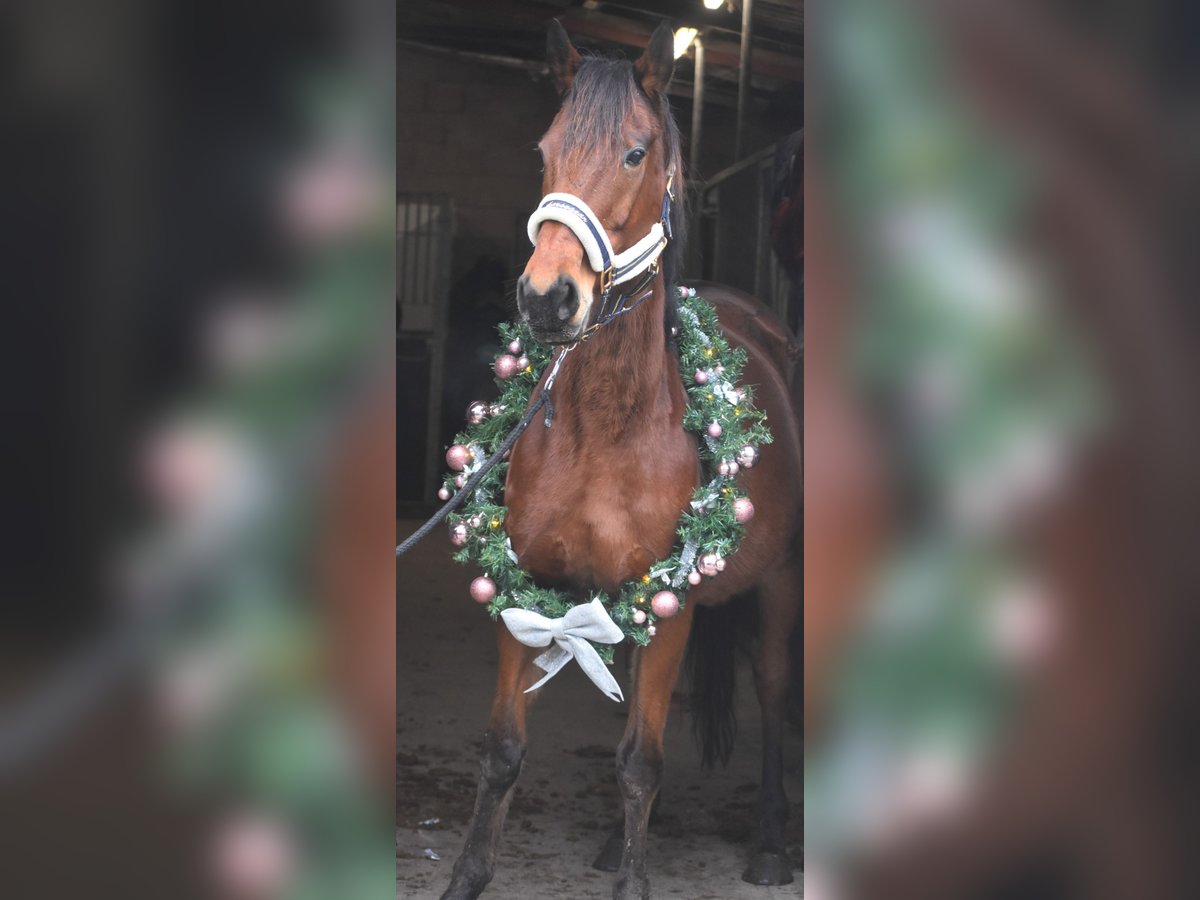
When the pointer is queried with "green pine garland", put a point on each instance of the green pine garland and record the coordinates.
(708, 526)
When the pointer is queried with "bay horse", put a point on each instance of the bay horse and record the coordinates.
(594, 500)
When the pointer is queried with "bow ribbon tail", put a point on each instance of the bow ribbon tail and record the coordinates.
(593, 666)
(589, 660)
(550, 662)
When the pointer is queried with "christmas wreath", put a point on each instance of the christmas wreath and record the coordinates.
(720, 412)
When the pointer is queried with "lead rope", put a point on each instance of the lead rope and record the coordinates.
(548, 419)
(473, 482)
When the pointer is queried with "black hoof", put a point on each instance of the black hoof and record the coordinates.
(769, 868)
(468, 879)
(609, 859)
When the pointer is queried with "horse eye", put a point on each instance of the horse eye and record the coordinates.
(635, 156)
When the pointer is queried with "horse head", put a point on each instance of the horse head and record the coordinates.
(609, 158)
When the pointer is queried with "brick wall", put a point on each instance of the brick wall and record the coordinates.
(470, 130)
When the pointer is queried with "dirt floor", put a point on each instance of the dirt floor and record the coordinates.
(567, 797)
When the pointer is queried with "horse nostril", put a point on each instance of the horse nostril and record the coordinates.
(566, 298)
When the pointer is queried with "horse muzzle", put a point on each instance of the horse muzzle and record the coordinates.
(556, 316)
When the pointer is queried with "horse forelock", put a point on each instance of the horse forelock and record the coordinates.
(600, 99)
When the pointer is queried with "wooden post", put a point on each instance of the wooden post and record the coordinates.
(743, 101)
(697, 109)
(694, 182)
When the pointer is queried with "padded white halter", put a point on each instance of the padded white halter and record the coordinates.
(578, 216)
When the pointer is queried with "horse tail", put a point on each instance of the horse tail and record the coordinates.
(711, 666)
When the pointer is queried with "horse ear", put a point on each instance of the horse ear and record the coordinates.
(656, 65)
(561, 56)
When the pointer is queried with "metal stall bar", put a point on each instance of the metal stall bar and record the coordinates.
(424, 231)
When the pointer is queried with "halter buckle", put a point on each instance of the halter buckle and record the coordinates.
(606, 281)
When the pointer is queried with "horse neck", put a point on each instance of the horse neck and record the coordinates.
(622, 374)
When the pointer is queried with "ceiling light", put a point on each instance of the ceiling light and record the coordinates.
(713, 4)
(683, 40)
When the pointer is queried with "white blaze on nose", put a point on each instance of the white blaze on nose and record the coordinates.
(557, 253)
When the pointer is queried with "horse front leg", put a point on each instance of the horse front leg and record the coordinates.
(499, 766)
(609, 858)
(779, 607)
(640, 754)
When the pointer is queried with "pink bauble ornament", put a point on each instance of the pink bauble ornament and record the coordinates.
(748, 457)
(708, 564)
(694, 577)
(483, 589)
(523, 363)
(714, 430)
(457, 457)
(733, 468)
(664, 604)
(720, 564)
(514, 347)
(639, 616)
(443, 493)
(723, 468)
(701, 377)
(458, 534)
(505, 366)
(459, 481)
(476, 521)
(495, 409)
(477, 412)
(743, 510)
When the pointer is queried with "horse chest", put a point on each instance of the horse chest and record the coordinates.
(608, 525)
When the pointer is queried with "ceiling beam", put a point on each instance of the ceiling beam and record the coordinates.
(599, 26)
(769, 65)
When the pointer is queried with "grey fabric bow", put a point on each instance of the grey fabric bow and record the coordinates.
(570, 636)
